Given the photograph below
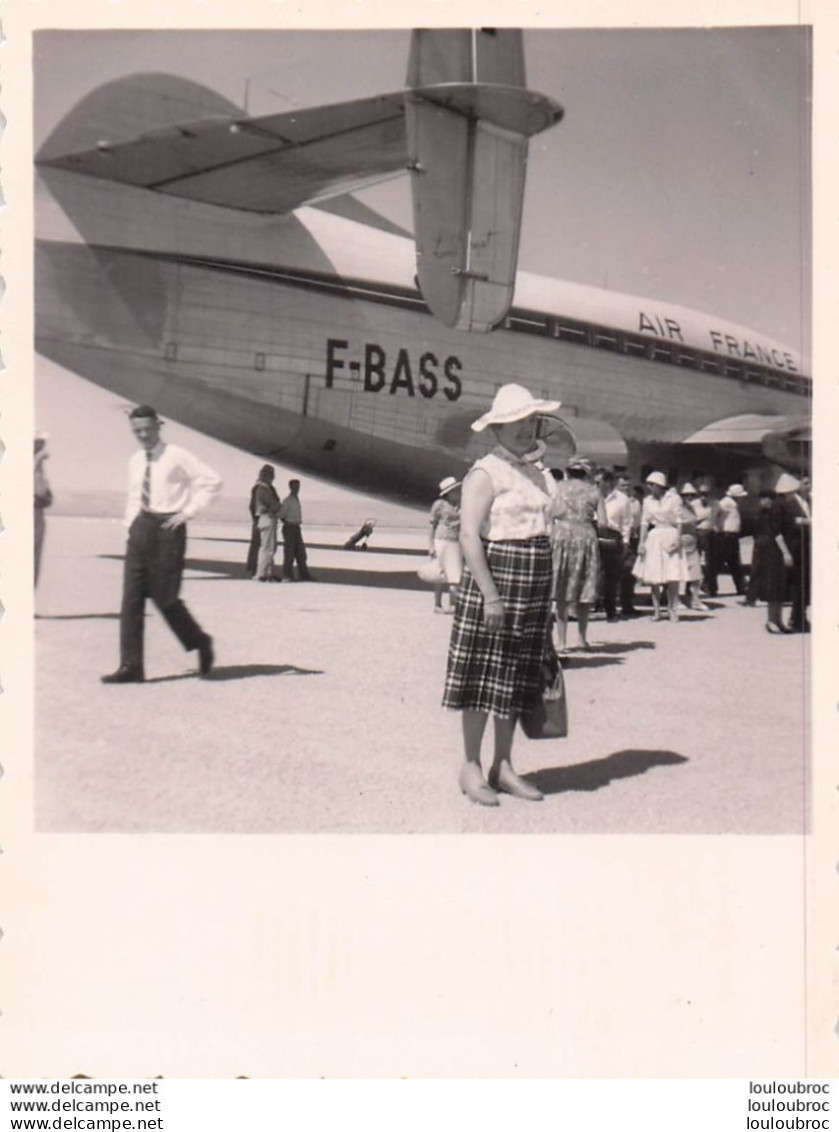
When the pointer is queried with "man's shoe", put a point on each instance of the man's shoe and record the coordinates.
(206, 657)
(125, 675)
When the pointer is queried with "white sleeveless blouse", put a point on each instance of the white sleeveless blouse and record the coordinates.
(522, 497)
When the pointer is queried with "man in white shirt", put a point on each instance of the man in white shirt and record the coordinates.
(623, 513)
(294, 549)
(729, 525)
(166, 486)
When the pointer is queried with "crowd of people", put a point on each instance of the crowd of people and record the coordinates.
(538, 543)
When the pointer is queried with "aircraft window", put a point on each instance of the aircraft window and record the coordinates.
(568, 332)
(604, 340)
(633, 346)
(259, 362)
(661, 353)
(527, 325)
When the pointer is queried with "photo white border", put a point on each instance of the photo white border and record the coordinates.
(422, 956)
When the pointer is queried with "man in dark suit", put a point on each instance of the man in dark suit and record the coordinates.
(167, 485)
(796, 519)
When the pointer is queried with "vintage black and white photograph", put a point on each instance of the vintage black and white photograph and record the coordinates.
(390, 381)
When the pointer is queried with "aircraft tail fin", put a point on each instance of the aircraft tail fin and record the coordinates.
(469, 117)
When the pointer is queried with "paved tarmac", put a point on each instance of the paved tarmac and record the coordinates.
(323, 712)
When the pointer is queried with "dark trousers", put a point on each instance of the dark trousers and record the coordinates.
(800, 580)
(294, 550)
(611, 561)
(707, 541)
(628, 579)
(154, 566)
(728, 558)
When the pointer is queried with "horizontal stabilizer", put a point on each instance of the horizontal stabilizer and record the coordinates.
(129, 131)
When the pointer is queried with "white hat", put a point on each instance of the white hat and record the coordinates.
(513, 403)
(689, 489)
(447, 484)
(737, 491)
(786, 484)
(657, 477)
(580, 462)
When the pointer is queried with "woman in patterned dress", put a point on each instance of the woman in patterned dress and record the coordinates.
(503, 603)
(689, 548)
(578, 507)
(659, 563)
(444, 540)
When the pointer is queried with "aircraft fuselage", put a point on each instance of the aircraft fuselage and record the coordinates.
(303, 339)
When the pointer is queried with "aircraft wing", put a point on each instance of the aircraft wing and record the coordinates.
(270, 164)
(786, 440)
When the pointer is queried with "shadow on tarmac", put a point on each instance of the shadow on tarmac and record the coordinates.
(619, 646)
(225, 571)
(602, 655)
(240, 672)
(245, 671)
(77, 616)
(601, 772)
(371, 549)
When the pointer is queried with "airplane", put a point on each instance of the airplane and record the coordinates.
(218, 266)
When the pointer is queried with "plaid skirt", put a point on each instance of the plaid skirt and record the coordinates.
(500, 672)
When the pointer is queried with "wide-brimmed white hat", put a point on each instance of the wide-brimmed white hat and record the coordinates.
(689, 489)
(511, 403)
(737, 491)
(448, 484)
(786, 483)
(657, 477)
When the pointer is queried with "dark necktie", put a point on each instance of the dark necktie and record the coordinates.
(145, 494)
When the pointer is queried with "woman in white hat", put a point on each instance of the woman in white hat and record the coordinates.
(578, 506)
(444, 540)
(659, 563)
(503, 603)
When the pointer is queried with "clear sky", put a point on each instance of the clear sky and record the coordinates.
(680, 171)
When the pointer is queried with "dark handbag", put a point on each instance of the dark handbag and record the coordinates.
(548, 718)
